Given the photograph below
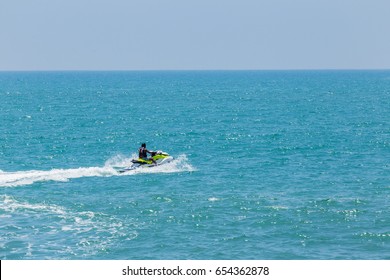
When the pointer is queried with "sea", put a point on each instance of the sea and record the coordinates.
(270, 165)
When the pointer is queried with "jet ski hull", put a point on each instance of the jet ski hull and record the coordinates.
(160, 158)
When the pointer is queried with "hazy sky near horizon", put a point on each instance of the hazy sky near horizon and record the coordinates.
(194, 34)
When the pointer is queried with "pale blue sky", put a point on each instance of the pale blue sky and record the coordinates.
(194, 34)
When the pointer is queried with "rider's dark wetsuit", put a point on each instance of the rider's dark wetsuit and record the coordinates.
(142, 153)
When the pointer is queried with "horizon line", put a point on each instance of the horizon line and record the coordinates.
(193, 70)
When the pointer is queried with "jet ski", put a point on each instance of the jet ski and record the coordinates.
(159, 157)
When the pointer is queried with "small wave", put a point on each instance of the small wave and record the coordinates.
(9, 204)
(375, 235)
(20, 178)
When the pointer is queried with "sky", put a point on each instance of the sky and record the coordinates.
(194, 34)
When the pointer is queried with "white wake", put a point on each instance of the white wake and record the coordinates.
(19, 178)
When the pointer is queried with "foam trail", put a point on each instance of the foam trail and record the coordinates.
(10, 179)
(19, 178)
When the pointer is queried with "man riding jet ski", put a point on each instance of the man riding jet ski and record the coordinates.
(157, 158)
(143, 154)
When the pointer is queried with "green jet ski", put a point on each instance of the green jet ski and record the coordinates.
(159, 158)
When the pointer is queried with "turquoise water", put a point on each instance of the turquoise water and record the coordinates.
(268, 165)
